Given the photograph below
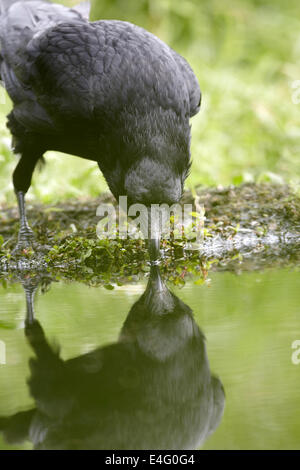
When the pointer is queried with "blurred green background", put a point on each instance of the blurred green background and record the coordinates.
(246, 57)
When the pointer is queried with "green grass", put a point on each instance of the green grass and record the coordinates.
(245, 55)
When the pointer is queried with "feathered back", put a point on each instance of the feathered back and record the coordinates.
(21, 20)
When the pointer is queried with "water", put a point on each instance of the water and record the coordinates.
(208, 366)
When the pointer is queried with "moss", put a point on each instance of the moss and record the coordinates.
(247, 227)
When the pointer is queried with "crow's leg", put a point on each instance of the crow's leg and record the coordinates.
(33, 330)
(22, 180)
(30, 286)
(26, 235)
(30, 305)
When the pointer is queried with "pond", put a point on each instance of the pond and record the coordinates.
(207, 366)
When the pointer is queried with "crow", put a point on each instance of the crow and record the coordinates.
(151, 389)
(107, 91)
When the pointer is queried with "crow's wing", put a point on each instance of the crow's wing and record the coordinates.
(19, 24)
(85, 69)
(191, 82)
(24, 20)
(55, 60)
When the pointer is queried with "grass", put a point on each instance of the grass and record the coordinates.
(245, 55)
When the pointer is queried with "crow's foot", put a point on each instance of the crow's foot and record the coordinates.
(26, 240)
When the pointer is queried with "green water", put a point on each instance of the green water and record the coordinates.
(156, 386)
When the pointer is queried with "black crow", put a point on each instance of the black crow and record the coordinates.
(152, 389)
(107, 91)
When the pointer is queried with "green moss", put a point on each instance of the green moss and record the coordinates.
(67, 246)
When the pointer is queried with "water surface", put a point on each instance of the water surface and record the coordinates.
(202, 367)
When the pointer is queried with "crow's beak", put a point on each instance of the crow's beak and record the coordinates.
(154, 234)
(156, 284)
(158, 298)
(154, 249)
(150, 227)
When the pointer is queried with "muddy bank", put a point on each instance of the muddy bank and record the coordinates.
(246, 227)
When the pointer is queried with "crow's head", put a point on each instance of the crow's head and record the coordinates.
(151, 181)
(150, 162)
(149, 156)
(158, 189)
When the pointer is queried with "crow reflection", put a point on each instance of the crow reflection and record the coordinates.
(153, 389)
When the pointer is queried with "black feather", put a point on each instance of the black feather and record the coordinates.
(108, 91)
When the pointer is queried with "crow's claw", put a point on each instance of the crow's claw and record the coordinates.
(25, 240)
